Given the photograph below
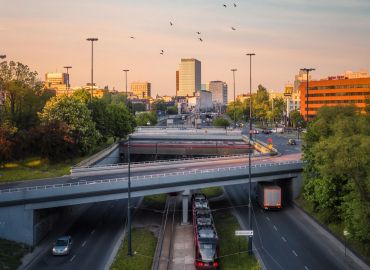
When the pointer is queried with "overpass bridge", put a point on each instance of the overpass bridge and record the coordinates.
(19, 205)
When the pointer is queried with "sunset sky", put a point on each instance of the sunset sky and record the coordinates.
(329, 35)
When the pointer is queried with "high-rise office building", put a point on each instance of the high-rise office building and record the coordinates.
(57, 81)
(189, 77)
(350, 88)
(177, 82)
(141, 89)
(219, 92)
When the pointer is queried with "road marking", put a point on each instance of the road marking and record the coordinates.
(295, 253)
(305, 267)
(72, 257)
(275, 228)
(283, 239)
(268, 218)
(92, 232)
(83, 244)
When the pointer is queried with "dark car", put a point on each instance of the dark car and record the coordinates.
(266, 131)
(62, 245)
(292, 142)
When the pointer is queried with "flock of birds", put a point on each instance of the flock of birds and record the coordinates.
(198, 33)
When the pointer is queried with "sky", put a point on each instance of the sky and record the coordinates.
(286, 35)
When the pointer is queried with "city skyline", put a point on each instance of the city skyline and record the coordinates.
(285, 37)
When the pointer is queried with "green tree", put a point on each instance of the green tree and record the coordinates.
(77, 116)
(142, 119)
(260, 102)
(7, 144)
(99, 114)
(159, 105)
(277, 109)
(221, 122)
(23, 92)
(121, 120)
(82, 95)
(296, 118)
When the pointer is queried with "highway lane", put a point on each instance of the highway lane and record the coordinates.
(93, 234)
(284, 238)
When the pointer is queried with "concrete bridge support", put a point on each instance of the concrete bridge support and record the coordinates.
(16, 223)
(185, 207)
(297, 184)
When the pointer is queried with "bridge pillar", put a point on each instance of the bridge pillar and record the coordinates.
(17, 224)
(185, 207)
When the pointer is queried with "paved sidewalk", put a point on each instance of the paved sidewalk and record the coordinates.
(183, 248)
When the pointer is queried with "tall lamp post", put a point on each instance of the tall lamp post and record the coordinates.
(92, 65)
(67, 84)
(233, 70)
(126, 70)
(307, 70)
(129, 252)
(249, 156)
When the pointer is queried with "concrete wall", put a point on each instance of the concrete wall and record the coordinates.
(16, 223)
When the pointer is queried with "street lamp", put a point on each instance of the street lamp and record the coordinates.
(233, 70)
(67, 83)
(249, 156)
(92, 64)
(126, 70)
(129, 252)
(307, 70)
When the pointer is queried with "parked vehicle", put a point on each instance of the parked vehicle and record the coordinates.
(269, 195)
(62, 245)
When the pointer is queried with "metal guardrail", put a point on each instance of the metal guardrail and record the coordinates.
(144, 177)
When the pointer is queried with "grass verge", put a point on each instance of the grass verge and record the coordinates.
(39, 168)
(334, 228)
(233, 249)
(156, 202)
(144, 243)
(212, 192)
(11, 254)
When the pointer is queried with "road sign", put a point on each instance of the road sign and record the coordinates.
(243, 233)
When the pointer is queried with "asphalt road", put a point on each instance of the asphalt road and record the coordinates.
(285, 240)
(93, 234)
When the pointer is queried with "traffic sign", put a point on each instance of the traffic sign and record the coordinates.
(244, 233)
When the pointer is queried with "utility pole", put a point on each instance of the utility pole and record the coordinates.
(126, 70)
(233, 70)
(307, 70)
(129, 252)
(67, 83)
(249, 156)
(92, 65)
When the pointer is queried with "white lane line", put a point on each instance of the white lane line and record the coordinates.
(305, 267)
(72, 258)
(83, 244)
(275, 228)
(295, 253)
(268, 218)
(92, 232)
(283, 238)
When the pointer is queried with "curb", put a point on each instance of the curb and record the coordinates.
(353, 255)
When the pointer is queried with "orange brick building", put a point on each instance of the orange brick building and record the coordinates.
(334, 91)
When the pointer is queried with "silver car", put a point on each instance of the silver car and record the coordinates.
(62, 245)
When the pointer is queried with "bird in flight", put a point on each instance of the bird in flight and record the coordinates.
(224, 5)
(201, 40)
(161, 53)
(171, 23)
(234, 5)
(198, 33)
(232, 28)
(132, 37)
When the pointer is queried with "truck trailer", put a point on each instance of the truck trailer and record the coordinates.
(269, 195)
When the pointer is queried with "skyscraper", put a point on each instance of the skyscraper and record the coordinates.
(56, 81)
(189, 77)
(177, 83)
(219, 92)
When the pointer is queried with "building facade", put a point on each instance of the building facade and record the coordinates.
(189, 77)
(57, 81)
(351, 88)
(141, 89)
(201, 102)
(219, 92)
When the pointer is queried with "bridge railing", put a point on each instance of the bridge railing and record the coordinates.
(146, 177)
